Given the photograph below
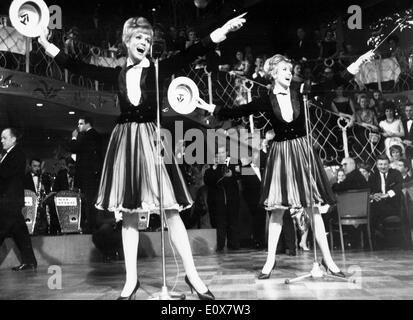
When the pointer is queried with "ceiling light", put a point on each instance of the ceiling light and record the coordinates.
(39, 104)
(71, 112)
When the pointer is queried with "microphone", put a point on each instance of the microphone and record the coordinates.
(157, 48)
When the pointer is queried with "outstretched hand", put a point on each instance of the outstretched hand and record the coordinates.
(234, 24)
(368, 56)
(43, 38)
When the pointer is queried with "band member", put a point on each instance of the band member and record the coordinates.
(286, 181)
(129, 181)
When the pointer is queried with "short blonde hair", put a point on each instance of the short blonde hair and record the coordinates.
(271, 63)
(133, 24)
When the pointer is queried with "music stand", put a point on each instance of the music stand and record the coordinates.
(164, 294)
(316, 271)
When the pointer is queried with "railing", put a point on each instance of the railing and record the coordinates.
(26, 55)
(335, 136)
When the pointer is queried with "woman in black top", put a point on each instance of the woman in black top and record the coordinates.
(129, 181)
(286, 180)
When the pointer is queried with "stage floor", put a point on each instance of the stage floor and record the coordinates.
(232, 275)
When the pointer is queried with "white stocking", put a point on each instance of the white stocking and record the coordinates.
(320, 235)
(179, 237)
(274, 231)
(130, 240)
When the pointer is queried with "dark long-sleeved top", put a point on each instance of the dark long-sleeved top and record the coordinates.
(145, 111)
(353, 180)
(12, 171)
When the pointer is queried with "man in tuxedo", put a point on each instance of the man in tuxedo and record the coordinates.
(87, 145)
(408, 131)
(40, 184)
(386, 194)
(223, 199)
(12, 169)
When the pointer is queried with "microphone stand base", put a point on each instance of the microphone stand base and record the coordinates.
(167, 295)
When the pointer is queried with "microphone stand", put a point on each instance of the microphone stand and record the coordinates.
(164, 294)
(316, 271)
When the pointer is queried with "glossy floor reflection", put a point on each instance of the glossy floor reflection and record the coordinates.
(232, 275)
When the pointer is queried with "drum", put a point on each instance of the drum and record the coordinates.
(68, 208)
(29, 210)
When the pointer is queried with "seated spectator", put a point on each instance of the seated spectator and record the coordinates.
(353, 180)
(392, 129)
(386, 197)
(192, 38)
(396, 154)
(365, 170)
(404, 167)
(353, 177)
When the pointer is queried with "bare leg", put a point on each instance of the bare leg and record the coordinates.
(274, 231)
(179, 237)
(130, 240)
(320, 235)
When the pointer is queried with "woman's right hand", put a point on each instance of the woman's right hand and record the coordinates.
(44, 42)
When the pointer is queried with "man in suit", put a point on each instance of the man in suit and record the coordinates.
(87, 145)
(12, 168)
(40, 184)
(353, 180)
(408, 131)
(386, 194)
(223, 199)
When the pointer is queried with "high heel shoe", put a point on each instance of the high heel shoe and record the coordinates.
(328, 270)
(263, 276)
(303, 247)
(202, 296)
(132, 295)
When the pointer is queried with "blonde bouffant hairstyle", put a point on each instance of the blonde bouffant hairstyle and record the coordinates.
(133, 24)
(271, 63)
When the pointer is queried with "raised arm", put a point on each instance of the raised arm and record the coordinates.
(77, 66)
(259, 104)
(175, 63)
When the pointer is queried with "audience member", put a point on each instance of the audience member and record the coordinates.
(353, 178)
(392, 129)
(408, 131)
(223, 199)
(302, 48)
(386, 196)
(341, 104)
(365, 170)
